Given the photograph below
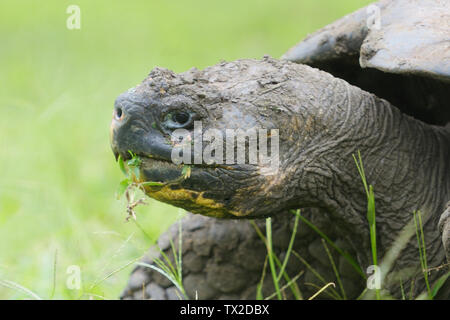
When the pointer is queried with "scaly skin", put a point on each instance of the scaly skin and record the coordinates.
(224, 259)
(322, 121)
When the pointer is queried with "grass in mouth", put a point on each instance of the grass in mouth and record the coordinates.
(130, 185)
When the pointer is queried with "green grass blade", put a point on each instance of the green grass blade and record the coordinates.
(291, 243)
(165, 274)
(55, 260)
(362, 295)
(370, 213)
(334, 294)
(151, 239)
(349, 258)
(180, 250)
(438, 284)
(321, 290)
(178, 257)
(167, 261)
(122, 166)
(393, 253)
(336, 272)
(287, 285)
(163, 266)
(259, 294)
(17, 287)
(123, 185)
(422, 249)
(360, 167)
(271, 259)
(372, 231)
(95, 284)
(151, 183)
(424, 255)
(294, 287)
(167, 268)
(186, 171)
(402, 290)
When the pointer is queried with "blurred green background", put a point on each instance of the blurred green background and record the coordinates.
(57, 88)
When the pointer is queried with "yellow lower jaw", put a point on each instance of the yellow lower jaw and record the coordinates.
(192, 200)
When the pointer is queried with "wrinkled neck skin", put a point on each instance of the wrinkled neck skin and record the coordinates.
(405, 160)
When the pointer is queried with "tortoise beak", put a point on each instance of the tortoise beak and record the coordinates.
(112, 129)
(130, 130)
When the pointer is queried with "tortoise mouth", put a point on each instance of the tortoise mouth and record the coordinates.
(166, 173)
(167, 182)
(128, 156)
(153, 169)
(150, 157)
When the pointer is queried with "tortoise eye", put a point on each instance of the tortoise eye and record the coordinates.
(181, 117)
(179, 120)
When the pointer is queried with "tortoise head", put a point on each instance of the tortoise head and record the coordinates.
(212, 138)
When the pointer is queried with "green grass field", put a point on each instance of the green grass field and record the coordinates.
(57, 89)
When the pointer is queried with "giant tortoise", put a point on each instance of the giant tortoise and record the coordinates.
(374, 83)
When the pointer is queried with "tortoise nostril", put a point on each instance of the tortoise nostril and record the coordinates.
(119, 113)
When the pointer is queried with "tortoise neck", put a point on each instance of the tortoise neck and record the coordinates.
(405, 160)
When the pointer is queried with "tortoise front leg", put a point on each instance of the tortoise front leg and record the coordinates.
(221, 259)
(224, 259)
